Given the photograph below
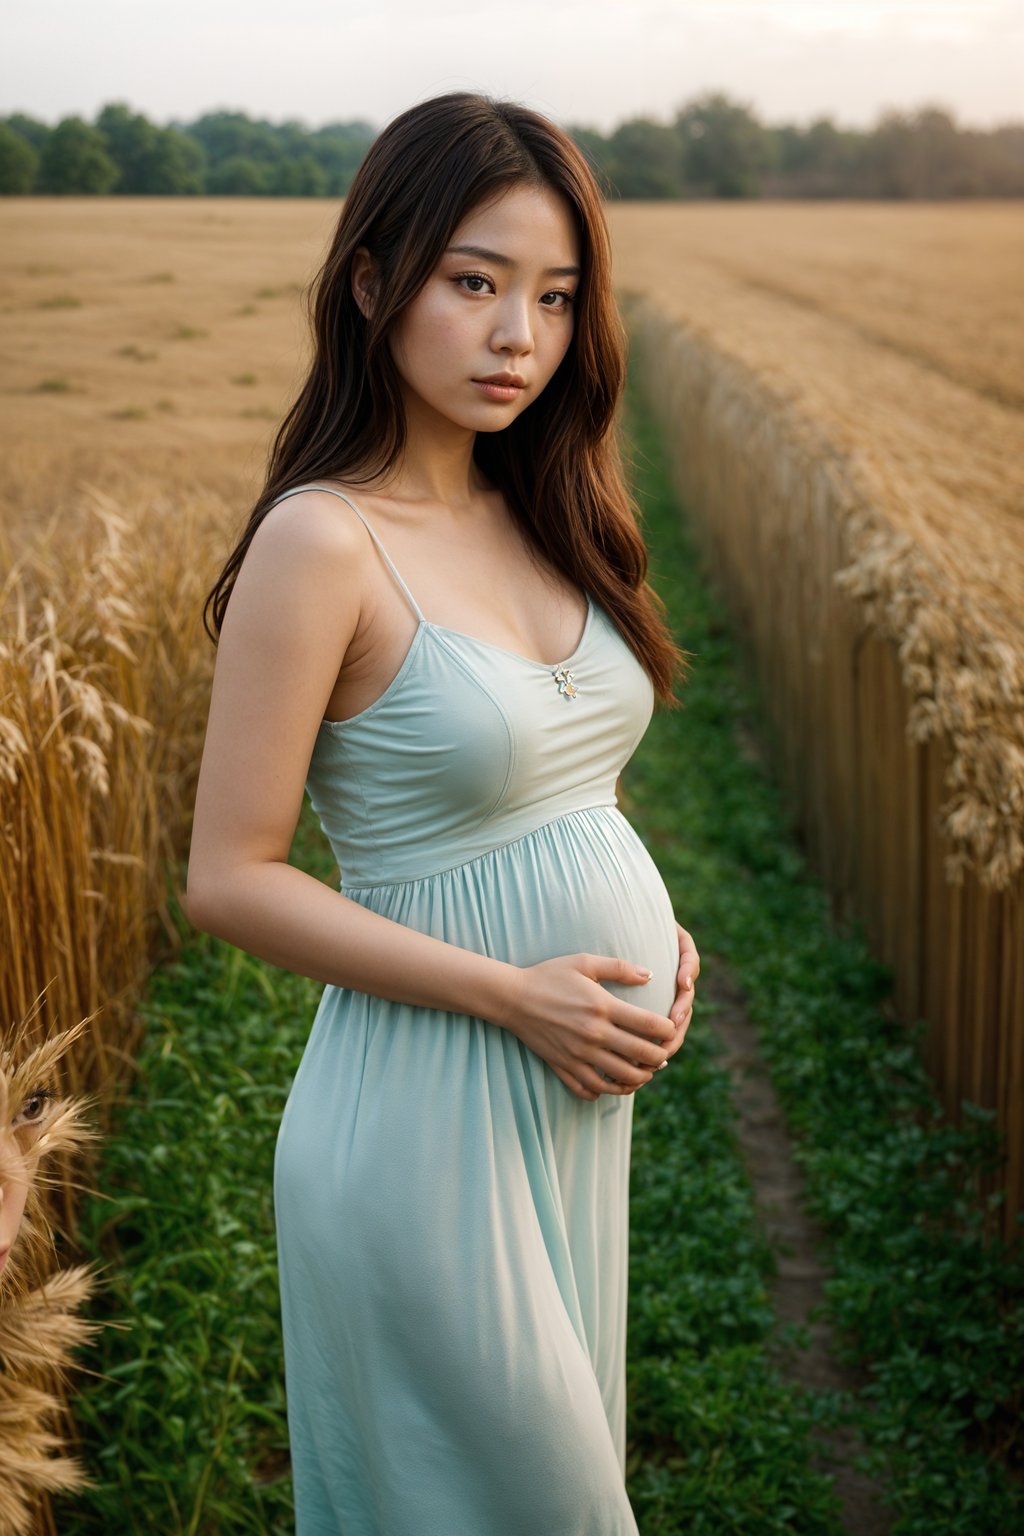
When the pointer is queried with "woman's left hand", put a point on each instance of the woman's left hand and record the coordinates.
(682, 1007)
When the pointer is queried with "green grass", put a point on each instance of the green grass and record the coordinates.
(192, 1395)
(193, 1398)
(719, 1441)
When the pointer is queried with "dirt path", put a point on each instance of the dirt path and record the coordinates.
(795, 1237)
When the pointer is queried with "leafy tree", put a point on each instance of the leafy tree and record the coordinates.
(714, 147)
(339, 149)
(129, 140)
(176, 165)
(18, 162)
(725, 147)
(301, 176)
(284, 150)
(917, 155)
(821, 160)
(597, 152)
(30, 129)
(890, 156)
(944, 168)
(1001, 152)
(644, 160)
(232, 136)
(239, 177)
(158, 161)
(75, 159)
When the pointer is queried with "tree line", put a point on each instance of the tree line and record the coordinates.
(712, 147)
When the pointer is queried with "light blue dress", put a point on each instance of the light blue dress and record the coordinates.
(452, 1222)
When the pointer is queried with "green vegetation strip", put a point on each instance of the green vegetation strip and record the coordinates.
(190, 1401)
(193, 1392)
(933, 1314)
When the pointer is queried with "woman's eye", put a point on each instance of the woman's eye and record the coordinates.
(33, 1108)
(562, 294)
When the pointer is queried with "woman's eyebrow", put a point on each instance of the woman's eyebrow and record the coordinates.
(506, 261)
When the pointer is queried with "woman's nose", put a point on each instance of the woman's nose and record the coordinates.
(513, 329)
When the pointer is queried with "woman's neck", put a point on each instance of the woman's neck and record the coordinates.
(437, 467)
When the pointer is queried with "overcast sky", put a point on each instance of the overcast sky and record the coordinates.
(590, 64)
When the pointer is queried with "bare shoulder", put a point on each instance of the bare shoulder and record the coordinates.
(304, 577)
(315, 524)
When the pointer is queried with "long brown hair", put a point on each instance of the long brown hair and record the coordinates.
(558, 464)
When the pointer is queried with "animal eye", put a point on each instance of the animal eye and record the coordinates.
(33, 1108)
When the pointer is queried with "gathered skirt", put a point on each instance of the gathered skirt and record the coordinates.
(452, 1222)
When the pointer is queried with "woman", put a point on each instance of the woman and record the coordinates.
(440, 627)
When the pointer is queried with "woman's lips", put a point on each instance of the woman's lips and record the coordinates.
(499, 391)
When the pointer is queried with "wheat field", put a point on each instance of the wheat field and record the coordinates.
(150, 346)
(162, 338)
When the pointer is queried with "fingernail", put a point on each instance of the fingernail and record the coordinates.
(644, 972)
(660, 1065)
(688, 979)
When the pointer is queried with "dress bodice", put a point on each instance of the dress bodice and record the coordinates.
(472, 745)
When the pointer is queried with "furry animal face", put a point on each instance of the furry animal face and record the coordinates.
(39, 1305)
(21, 1128)
(35, 1121)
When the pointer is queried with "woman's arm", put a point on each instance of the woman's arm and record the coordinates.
(294, 612)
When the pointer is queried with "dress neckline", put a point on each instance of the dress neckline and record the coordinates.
(546, 666)
(426, 626)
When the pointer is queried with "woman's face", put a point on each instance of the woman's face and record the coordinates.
(503, 307)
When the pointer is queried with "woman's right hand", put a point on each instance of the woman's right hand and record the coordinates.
(559, 1009)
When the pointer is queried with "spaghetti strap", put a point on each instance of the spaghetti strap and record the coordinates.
(392, 567)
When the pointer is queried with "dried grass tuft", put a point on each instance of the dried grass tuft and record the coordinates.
(779, 490)
(963, 670)
(104, 675)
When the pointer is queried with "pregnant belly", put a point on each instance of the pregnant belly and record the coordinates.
(582, 882)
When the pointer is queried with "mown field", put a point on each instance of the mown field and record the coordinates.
(150, 342)
(162, 338)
